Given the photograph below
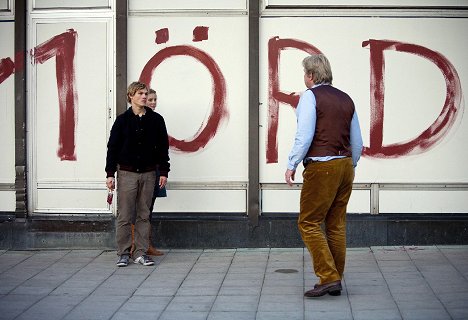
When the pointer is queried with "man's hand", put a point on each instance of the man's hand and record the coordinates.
(110, 183)
(162, 181)
(289, 176)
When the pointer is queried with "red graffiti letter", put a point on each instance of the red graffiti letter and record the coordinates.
(7, 68)
(62, 47)
(218, 112)
(432, 135)
(275, 46)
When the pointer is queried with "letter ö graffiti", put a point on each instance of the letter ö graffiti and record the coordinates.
(219, 112)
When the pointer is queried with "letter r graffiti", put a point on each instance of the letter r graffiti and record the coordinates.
(275, 46)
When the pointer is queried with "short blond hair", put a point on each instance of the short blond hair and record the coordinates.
(133, 88)
(318, 66)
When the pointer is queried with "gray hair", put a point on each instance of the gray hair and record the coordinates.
(319, 67)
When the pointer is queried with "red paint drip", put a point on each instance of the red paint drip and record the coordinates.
(219, 112)
(275, 46)
(438, 129)
(162, 36)
(200, 33)
(62, 47)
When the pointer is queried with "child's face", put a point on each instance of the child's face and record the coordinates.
(151, 100)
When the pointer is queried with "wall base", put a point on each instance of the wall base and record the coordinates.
(219, 231)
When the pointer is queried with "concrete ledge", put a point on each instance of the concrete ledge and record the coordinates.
(234, 231)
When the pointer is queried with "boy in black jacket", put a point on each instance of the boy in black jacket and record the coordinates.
(137, 145)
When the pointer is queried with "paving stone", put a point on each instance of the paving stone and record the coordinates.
(191, 303)
(236, 303)
(234, 315)
(386, 283)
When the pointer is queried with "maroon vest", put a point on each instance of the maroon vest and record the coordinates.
(335, 111)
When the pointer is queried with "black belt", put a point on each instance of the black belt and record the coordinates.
(134, 169)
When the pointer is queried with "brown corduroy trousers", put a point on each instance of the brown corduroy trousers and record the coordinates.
(134, 196)
(325, 194)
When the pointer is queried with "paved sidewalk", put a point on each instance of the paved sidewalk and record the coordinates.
(380, 283)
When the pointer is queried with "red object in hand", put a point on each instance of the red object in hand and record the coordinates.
(110, 195)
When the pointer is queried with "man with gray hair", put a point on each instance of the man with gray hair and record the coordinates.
(329, 143)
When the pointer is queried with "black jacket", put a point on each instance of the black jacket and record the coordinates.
(138, 144)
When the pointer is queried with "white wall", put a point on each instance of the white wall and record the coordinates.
(7, 117)
(197, 60)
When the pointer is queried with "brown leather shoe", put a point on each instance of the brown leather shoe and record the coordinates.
(333, 288)
(152, 251)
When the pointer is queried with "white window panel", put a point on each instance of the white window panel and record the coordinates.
(287, 201)
(7, 201)
(367, 3)
(192, 201)
(423, 201)
(70, 4)
(184, 5)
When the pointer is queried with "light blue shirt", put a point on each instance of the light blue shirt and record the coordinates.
(306, 120)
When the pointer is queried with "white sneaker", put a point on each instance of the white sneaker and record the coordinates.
(144, 260)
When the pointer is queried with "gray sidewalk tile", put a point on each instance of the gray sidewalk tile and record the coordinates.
(157, 292)
(360, 279)
(373, 290)
(431, 303)
(327, 303)
(455, 300)
(96, 308)
(335, 314)
(126, 315)
(285, 303)
(268, 315)
(424, 314)
(244, 276)
(284, 282)
(51, 308)
(459, 313)
(9, 259)
(239, 290)
(146, 304)
(372, 302)
(183, 315)
(231, 315)
(23, 290)
(282, 290)
(198, 290)
(236, 303)
(200, 282)
(110, 291)
(191, 303)
(243, 283)
(12, 305)
(413, 296)
(247, 268)
(381, 314)
(361, 268)
(394, 282)
(72, 291)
